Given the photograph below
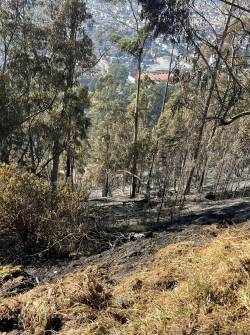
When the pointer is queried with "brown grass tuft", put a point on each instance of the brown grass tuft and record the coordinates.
(189, 290)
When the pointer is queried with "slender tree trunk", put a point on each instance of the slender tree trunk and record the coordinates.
(162, 110)
(72, 172)
(136, 126)
(55, 166)
(206, 160)
(150, 176)
(69, 169)
(167, 85)
(203, 173)
(105, 190)
(70, 82)
(139, 184)
(162, 199)
(206, 109)
(32, 154)
(68, 165)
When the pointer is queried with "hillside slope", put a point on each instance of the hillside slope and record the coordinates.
(189, 288)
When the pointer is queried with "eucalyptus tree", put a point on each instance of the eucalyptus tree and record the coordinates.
(135, 46)
(70, 52)
(22, 70)
(44, 48)
(221, 79)
(9, 20)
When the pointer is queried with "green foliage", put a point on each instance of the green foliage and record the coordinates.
(167, 17)
(42, 106)
(25, 210)
(23, 201)
(128, 45)
(133, 45)
(119, 73)
(111, 149)
(111, 134)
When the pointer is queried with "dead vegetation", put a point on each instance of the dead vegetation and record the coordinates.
(188, 289)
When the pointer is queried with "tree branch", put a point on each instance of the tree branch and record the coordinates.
(236, 5)
(223, 122)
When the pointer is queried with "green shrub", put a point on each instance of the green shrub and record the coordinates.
(25, 210)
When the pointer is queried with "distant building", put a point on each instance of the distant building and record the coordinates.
(158, 76)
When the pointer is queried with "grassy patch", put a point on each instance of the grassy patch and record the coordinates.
(189, 289)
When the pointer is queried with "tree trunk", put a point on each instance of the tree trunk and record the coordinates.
(68, 165)
(167, 85)
(148, 187)
(206, 109)
(32, 154)
(105, 190)
(55, 166)
(136, 124)
(203, 174)
(162, 200)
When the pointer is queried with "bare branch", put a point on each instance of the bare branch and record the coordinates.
(236, 5)
(223, 122)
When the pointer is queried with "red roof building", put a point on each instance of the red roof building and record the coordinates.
(157, 76)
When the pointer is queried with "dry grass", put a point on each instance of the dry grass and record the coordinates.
(189, 289)
(10, 270)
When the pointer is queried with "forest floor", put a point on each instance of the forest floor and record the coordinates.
(137, 288)
(141, 237)
(138, 236)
